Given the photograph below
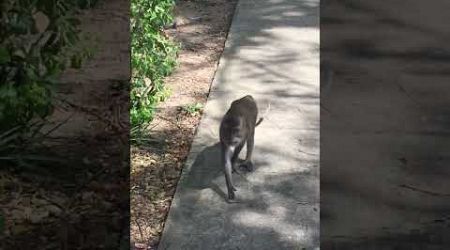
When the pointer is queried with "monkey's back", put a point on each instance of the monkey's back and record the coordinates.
(245, 107)
(239, 121)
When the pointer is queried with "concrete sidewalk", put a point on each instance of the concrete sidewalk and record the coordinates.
(272, 53)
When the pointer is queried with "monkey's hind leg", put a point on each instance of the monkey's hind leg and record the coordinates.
(248, 159)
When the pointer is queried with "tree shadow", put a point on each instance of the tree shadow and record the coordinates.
(281, 208)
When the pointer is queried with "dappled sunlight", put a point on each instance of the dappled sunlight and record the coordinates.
(267, 221)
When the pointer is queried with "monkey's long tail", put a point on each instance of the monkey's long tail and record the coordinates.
(259, 121)
(262, 118)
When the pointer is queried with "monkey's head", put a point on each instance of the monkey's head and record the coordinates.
(233, 131)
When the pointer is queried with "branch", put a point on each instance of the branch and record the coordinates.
(423, 191)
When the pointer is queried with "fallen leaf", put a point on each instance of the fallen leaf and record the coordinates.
(38, 215)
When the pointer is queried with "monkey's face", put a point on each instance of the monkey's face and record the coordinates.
(233, 133)
(235, 137)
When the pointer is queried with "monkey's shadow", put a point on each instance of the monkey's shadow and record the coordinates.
(207, 172)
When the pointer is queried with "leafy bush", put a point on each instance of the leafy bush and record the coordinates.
(153, 56)
(38, 40)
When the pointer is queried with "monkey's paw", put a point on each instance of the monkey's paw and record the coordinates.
(248, 165)
(231, 196)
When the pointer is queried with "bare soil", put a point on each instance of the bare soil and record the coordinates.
(201, 28)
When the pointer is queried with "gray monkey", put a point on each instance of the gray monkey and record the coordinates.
(236, 129)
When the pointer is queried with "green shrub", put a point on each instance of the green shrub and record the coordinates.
(153, 56)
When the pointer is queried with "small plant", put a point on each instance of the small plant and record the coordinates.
(18, 146)
(193, 109)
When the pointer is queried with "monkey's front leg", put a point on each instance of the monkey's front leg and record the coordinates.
(227, 153)
(235, 158)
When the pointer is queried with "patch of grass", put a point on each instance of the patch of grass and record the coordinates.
(193, 109)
